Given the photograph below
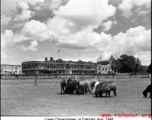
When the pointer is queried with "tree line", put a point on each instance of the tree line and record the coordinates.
(129, 64)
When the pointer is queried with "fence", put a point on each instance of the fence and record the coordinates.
(140, 75)
(122, 75)
(77, 76)
(47, 76)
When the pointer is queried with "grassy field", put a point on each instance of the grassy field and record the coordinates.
(22, 97)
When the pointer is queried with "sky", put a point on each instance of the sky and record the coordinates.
(89, 30)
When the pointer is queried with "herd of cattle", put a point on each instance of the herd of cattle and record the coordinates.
(94, 87)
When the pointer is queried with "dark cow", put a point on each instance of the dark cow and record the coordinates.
(112, 86)
(100, 89)
(147, 90)
(105, 87)
(63, 85)
(69, 80)
(73, 86)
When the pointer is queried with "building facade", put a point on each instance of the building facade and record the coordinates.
(11, 69)
(58, 66)
(105, 67)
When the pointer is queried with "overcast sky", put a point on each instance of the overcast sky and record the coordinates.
(34, 29)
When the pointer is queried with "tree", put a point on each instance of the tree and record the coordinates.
(126, 64)
(142, 69)
(118, 65)
(114, 66)
(149, 68)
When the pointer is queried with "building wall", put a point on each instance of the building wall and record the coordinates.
(11, 69)
(104, 67)
(58, 67)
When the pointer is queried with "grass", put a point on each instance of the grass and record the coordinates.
(22, 97)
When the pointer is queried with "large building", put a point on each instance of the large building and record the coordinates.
(58, 66)
(105, 67)
(11, 69)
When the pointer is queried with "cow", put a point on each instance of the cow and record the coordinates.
(87, 86)
(83, 87)
(91, 85)
(95, 85)
(63, 85)
(105, 87)
(73, 86)
(69, 80)
(148, 90)
(100, 89)
(112, 86)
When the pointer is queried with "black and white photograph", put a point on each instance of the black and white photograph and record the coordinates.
(76, 58)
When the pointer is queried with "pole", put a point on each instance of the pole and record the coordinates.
(79, 54)
(67, 72)
(35, 80)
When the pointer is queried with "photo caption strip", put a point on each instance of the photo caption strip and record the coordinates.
(121, 116)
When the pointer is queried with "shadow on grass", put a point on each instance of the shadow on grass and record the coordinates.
(69, 94)
(103, 97)
(61, 93)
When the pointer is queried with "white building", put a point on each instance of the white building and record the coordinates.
(11, 69)
(104, 67)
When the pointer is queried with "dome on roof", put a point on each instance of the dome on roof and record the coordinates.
(46, 59)
(99, 59)
(59, 60)
(111, 58)
(79, 60)
(51, 58)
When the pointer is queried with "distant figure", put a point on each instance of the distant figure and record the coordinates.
(147, 90)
